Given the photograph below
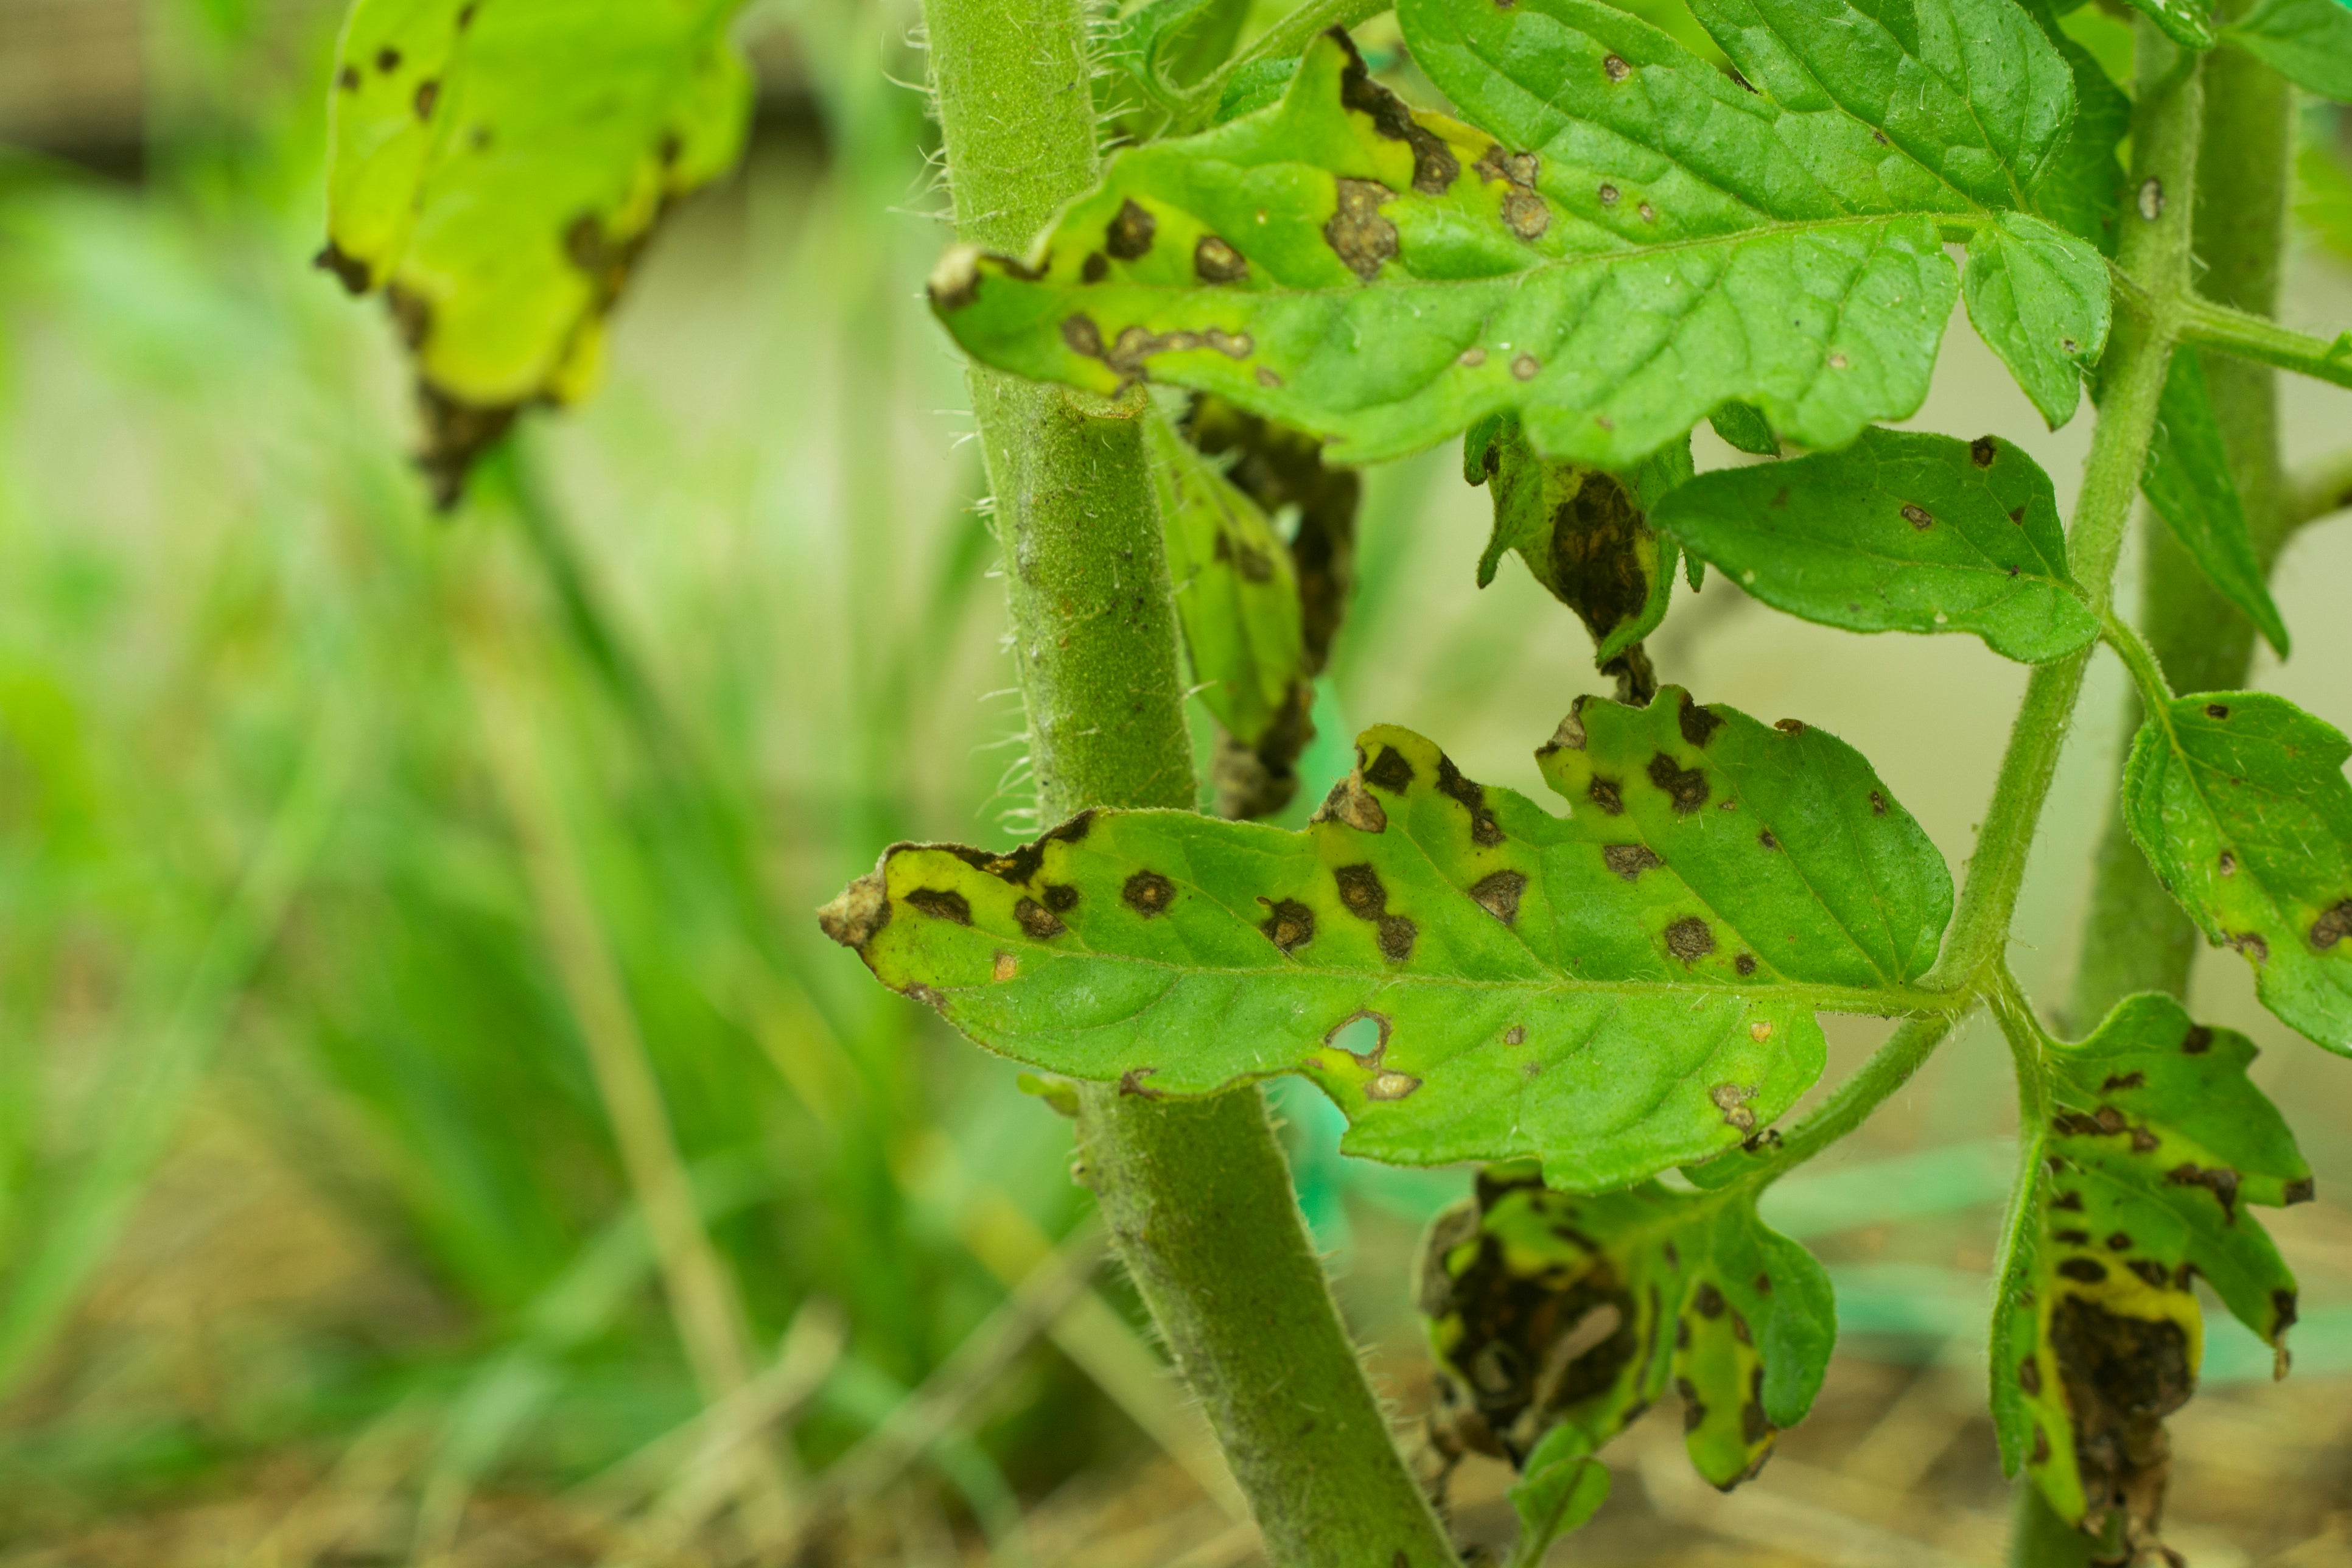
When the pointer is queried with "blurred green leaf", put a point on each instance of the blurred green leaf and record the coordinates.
(1901, 532)
(1466, 975)
(1560, 1486)
(2186, 22)
(1547, 1309)
(2239, 800)
(2309, 42)
(2190, 484)
(496, 169)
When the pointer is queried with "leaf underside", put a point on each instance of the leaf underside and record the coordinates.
(1467, 976)
(2239, 802)
(1546, 1309)
(2157, 1142)
(1901, 532)
(1620, 242)
(495, 168)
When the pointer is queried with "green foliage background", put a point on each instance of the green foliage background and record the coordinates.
(298, 1145)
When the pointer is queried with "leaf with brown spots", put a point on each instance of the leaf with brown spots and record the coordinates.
(1466, 975)
(495, 168)
(2239, 802)
(1585, 536)
(1548, 1311)
(2156, 1141)
(1900, 531)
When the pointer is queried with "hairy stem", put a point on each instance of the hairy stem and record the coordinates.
(2135, 938)
(2252, 337)
(2154, 256)
(1194, 1193)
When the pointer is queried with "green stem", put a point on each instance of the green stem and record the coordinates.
(2135, 936)
(1287, 39)
(1195, 1193)
(2153, 254)
(2251, 337)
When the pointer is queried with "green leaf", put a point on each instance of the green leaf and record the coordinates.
(2190, 484)
(2081, 187)
(1559, 1489)
(2039, 299)
(1167, 44)
(495, 169)
(2157, 1142)
(1547, 1310)
(2239, 800)
(1237, 595)
(1746, 430)
(2309, 42)
(2189, 23)
(1900, 531)
(1585, 536)
(1384, 279)
(1466, 975)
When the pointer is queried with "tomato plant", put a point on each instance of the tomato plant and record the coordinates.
(1182, 346)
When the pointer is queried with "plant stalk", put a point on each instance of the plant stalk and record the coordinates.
(2135, 938)
(1195, 1193)
(2153, 254)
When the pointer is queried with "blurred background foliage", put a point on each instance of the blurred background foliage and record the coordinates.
(432, 1127)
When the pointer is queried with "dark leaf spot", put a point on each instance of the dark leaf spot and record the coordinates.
(1608, 194)
(2217, 711)
(1470, 796)
(2150, 1271)
(2088, 1270)
(1525, 366)
(2283, 1309)
(1435, 166)
(1763, 1284)
(2040, 1445)
(1360, 892)
(1390, 771)
(1037, 919)
(1983, 450)
(1629, 861)
(1517, 1034)
(1148, 893)
(1604, 793)
(348, 79)
(1917, 516)
(1061, 897)
(1686, 787)
(1877, 803)
(1616, 68)
(2302, 1190)
(2070, 1238)
(2119, 1242)
(1525, 214)
(2029, 1375)
(387, 60)
(2332, 927)
(427, 92)
(1128, 235)
(2251, 944)
(1753, 1428)
(1498, 893)
(941, 903)
(1698, 724)
(1744, 963)
(2198, 1041)
(1708, 1300)
(1096, 268)
(1766, 840)
(1357, 233)
(1396, 938)
(1217, 262)
(1289, 925)
(2218, 1179)
(1131, 1082)
(2123, 1080)
(349, 269)
(1689, 940)
(2072, 1202)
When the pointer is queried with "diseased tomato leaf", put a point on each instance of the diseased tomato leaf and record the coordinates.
(2239, 800)
(1584, 535)
(1466, 975)
(1900, 531)
(495, 167)
(2157, 1143)
(1548, 1311)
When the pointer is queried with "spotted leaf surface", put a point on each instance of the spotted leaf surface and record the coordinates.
(2309, 42)
(495, 165)
(1548, 1311)
(1583, 532)
(2157, 1144)
(1901, 532)
(2190, 484)
(1465, 974)
(1237, 595)
(2239, 800)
